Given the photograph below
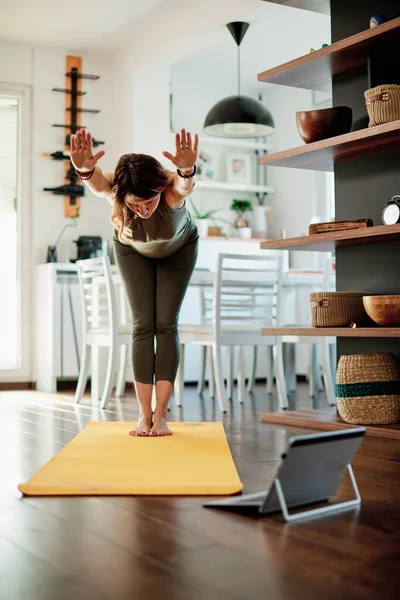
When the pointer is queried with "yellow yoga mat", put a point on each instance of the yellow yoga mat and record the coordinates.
(104, 460)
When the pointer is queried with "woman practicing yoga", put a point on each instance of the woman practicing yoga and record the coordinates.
(155, 245)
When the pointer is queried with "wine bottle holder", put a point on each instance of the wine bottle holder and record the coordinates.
(71, 190)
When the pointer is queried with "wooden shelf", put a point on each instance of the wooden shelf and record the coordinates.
(322, 155)
(327, 420)
(358, 332)
(328, 242)
(233, 187)
(316, 70)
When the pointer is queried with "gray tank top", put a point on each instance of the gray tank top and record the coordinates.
(166, 231)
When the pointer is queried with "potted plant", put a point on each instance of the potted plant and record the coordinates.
(241, 207)
(202, 219)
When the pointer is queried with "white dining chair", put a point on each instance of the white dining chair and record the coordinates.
(104, 325)
(325, 351)
(247, 295)
(206, 360)
(322, 351)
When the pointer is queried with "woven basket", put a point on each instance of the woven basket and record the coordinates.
(368, 389)
(383, 104)
(337, 309)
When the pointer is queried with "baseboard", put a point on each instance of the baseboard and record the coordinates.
(70, 385)
(10, 386)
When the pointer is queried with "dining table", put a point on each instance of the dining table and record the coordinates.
(292, 280)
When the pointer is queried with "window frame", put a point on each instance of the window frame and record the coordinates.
(25, 260)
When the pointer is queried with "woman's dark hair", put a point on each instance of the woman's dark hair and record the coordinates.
(139, 175)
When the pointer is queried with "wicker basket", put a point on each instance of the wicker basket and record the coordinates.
(383, 104)
(338, 309)
(315, 228)
(368, 389)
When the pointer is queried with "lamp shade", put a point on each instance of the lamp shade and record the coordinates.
(239, 117)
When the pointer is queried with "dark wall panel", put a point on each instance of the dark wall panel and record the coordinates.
(363, 186)
(352, 16)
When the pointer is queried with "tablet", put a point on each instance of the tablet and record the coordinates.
(310, 472)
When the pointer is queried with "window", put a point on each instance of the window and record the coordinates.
(14, 233)
(9, 301)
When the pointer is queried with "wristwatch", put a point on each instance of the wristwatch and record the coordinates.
(391, 212)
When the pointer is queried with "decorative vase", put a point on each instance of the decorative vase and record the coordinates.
(241, 222)
(202, 226)
(245, 232)
(260, 221)
(377, 19)
(51, 254)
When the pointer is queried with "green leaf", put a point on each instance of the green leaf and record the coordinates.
(196, 212)
(211, 212)
(207, 215)
(242, 205)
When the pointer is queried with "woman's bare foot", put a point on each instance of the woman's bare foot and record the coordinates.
(160, 427)
(143, 427)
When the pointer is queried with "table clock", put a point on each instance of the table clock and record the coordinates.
(391, 212)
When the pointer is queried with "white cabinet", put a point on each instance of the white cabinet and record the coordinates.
(68, 328)
(57, 327)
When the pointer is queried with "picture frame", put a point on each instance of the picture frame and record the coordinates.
(205, 169)
(238, 168)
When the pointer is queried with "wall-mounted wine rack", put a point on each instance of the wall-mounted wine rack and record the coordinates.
(72, 190)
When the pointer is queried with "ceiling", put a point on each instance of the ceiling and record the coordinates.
(176, 27)
(76, 24)
(321, 6)
(145, 30)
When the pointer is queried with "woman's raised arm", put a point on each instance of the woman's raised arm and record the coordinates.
(86, 164)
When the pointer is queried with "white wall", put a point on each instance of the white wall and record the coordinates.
(150, 109)
(40, 70)
(48, 108)
(133, 95)
(134, 114)
(199, 81)
(16, 64)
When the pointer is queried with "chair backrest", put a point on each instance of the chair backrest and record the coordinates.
(97, 294)
(247, 290)
(205, 298)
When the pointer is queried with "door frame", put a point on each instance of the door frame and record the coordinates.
(24, 230)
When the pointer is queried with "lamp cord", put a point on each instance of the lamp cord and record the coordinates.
(238, 70)
(73, 224)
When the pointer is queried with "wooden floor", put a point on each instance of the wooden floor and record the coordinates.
(172, 548)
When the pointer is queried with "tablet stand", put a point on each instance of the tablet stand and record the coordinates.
(305, 514)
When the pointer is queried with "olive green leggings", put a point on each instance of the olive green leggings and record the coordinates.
(155, 289)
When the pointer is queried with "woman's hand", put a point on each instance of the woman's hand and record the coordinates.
(82, 151)
(186, 151)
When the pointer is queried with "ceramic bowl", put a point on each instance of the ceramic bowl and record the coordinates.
(384, 310)
(316, 125)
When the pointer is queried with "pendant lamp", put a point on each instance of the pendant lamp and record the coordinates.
(239, 116)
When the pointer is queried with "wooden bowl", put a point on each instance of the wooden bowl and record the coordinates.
(315, 125)
(384, 310)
